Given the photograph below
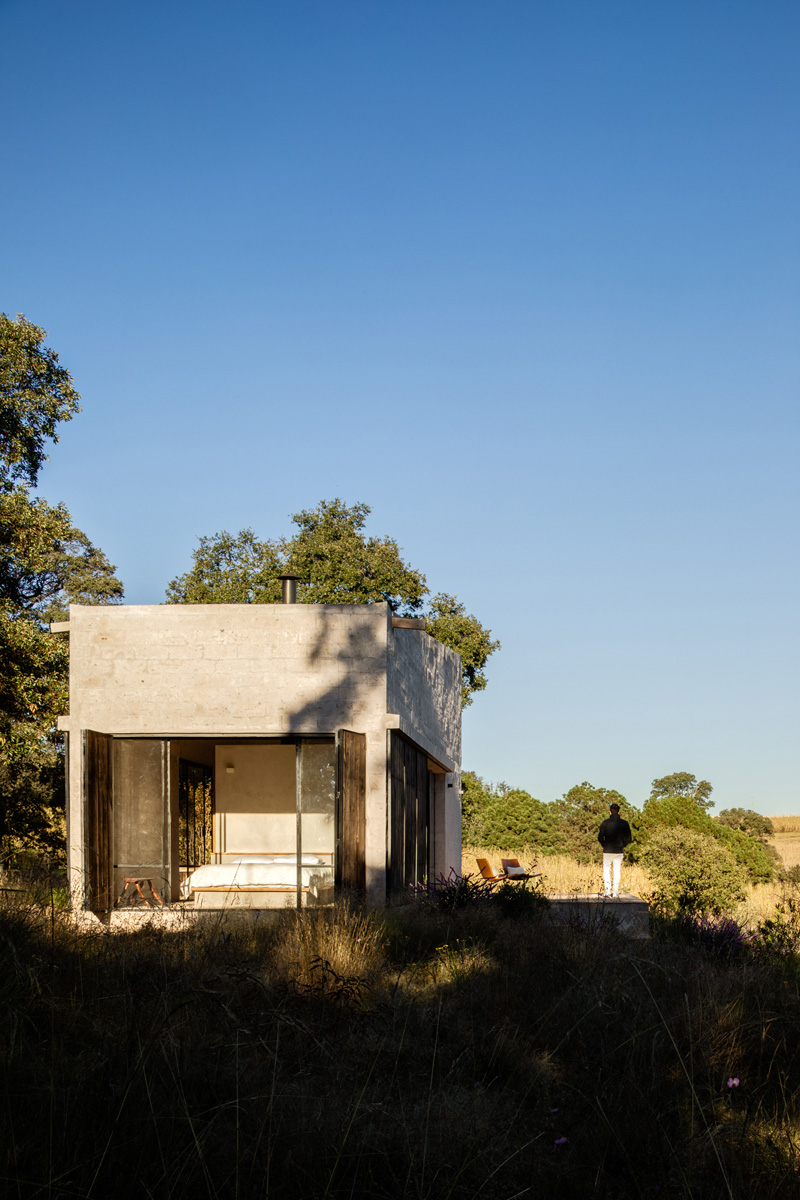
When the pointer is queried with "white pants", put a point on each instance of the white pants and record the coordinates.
(612, 865)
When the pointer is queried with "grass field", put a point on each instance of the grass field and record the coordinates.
(402, 1055)
(560, 873)
(787, 843)
(786, 824)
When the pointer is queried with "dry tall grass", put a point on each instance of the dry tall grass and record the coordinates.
(788, 846)
(786, 824)
(310, 947)
(459, 1054)
(562, 874)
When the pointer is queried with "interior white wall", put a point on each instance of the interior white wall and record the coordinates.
(255, 800)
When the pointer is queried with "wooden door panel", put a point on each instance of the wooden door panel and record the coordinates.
(397, 814)
(352, 867)
(98, 813)
(410, 814)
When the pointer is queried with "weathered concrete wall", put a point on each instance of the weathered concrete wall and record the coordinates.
(226, 669)
(424, 689)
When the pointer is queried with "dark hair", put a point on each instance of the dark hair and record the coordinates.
(614, 807)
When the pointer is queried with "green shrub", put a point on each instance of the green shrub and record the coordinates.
(669, 811)
(746, 820)
(506, 818)
(685, 812)
(692, 872)
(749, 852)
(518, 900)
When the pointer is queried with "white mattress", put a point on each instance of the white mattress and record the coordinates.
(252, 874)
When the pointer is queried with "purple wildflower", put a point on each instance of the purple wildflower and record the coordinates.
(733, 1082)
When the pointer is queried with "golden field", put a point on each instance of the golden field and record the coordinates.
(786, 824)
(786, 839)
(560, 873)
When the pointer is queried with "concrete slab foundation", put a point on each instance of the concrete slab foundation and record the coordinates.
(625, 912)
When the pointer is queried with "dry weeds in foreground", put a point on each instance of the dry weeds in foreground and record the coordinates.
(453, 1055)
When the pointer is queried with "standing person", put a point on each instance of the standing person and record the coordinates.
(614, 836)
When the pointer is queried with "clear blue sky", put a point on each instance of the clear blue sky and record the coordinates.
(523, 276)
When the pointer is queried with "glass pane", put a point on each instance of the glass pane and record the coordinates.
(317, 821)
(139, 813)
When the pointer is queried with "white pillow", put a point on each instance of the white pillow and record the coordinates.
(516, 871)
(306, 860)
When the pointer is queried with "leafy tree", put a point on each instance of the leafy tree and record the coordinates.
(449, 622)
(516, 819)
(475, 798)
(746, 821)
(580, 813)
(684, 810)
(46, 563)
(505, 818)
(35, 395)
(337, 563)
(681, 783)
(671, 810)
(693, 873)
(231, 569)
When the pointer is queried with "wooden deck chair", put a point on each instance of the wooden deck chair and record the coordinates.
(513, 869)
(487, 871)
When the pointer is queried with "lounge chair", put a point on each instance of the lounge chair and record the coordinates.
(487, 871)
(514, 870)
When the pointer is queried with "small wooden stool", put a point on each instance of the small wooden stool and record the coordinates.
(133, 888)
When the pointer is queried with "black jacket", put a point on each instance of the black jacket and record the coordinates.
(614, 835)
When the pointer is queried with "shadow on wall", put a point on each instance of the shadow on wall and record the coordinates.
(361, 651)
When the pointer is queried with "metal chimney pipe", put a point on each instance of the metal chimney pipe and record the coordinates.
(289, 588)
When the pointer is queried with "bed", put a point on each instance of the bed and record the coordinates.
(260, 881)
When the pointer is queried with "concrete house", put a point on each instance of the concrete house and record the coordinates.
(259, 755)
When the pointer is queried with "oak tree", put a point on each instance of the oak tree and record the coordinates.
(336, 563)
(46, 563)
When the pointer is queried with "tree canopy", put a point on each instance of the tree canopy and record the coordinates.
(36, 393)
(336, 563)
(502, 818)
(746, 820)
(580, 813)
(682, 783)
(46, 563)
(679, 802)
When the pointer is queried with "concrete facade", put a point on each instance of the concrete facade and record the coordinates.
(219, 671)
